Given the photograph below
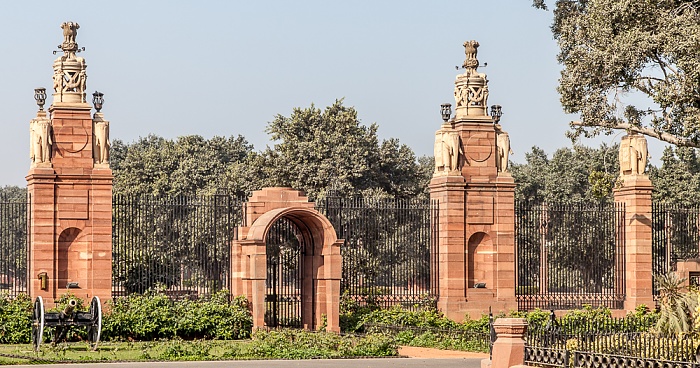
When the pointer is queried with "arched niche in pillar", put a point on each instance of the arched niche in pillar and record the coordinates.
(70, 261)
(480, 262)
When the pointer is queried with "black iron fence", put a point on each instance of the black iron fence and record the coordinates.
(569, 254)
(182, 243)
(390, 250)
(675, 236)
(14, 213)
(610, 342)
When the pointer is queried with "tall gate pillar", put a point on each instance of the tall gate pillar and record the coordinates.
(635, 193)
(70, 184)
(476, 241)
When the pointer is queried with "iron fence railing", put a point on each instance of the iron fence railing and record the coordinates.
(569, 255)
(611, 342)
(390, 250)
(675, 236)
(182, 243)
(14, 241)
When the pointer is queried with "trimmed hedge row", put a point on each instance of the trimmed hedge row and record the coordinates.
(143, 317)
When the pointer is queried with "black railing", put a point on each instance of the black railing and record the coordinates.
(14, 213)
(675, 236)
(180, 243)
(611, 342)
(390, 250)
(569, 255)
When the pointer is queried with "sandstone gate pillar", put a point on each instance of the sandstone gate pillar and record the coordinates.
(70, 184)
(321, 267)
(635, 194)
(476, 242)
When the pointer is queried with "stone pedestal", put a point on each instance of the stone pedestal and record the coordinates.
(321, 264)
(635, 193)
(509, 347)
(71, 213)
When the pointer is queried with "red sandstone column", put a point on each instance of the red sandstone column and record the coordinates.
(449, 192)
(635, 193)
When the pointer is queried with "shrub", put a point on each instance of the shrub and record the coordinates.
(15, 319)
(154, 316)
(300, 344)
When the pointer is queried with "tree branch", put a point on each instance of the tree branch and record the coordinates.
(666, 137)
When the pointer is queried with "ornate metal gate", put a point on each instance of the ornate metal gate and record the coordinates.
(285, 246)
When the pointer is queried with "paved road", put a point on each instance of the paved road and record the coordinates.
(330, 363)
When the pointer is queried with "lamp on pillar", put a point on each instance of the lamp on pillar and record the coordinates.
(496, 113)
(98, 100)
(40, 97)
(446, 111)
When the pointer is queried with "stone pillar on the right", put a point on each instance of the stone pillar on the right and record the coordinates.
(635, 193)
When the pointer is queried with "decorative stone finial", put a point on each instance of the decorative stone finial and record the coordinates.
(471, 87)
(471, 63)
(69, 78)
(70, 30)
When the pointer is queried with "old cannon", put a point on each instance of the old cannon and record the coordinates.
(64, 320)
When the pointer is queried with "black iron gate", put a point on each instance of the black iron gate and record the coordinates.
(570, 254)
(675, 236)
(180, 243)
(285, 247)
(390, 252)
(14, 213)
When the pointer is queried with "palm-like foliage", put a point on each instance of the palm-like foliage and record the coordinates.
(677, 305)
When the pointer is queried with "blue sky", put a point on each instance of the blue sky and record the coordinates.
(174, 68)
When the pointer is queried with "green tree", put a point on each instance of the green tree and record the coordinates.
(630, 65)
(567, 175)
(186, 165)
(678, 179)
(319, 150)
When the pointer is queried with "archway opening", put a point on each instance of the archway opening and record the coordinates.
(285, 249)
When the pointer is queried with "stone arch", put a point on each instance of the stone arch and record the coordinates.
(71, 258)
(321, 262)
(480, 260)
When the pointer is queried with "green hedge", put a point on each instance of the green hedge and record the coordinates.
(140, 317)
(154, 316)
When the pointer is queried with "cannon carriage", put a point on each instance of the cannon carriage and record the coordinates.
(66, 319)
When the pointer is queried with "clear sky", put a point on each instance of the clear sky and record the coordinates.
(225, 68)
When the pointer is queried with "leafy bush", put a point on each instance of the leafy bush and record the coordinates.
(300, 344)
(154, 316)
(15, 319)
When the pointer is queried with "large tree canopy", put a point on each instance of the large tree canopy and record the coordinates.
(317, 150)
(631, 64)
(314, 151)
(578, 173)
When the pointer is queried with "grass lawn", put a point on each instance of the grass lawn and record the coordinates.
(264, 345)
(129, 351)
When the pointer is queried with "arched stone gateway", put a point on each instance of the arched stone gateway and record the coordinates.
(287, 262)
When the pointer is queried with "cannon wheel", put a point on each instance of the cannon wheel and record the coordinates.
(96, 317)
(38, 323)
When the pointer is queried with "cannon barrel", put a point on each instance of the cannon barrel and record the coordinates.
(68, 310)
